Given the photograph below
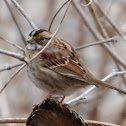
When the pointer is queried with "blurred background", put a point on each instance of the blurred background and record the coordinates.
(102, 104)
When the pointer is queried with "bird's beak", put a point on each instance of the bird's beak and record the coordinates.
(30, 40)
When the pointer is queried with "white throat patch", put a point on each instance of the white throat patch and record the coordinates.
(34, 46)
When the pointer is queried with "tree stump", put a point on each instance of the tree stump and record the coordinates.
(53, 113)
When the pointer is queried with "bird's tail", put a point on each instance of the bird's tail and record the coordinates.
(98, 82)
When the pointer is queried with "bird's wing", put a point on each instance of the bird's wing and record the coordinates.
(64, 61)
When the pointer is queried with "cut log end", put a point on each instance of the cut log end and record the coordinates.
(53, 113)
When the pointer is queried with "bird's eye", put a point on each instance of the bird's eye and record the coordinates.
(42, 38)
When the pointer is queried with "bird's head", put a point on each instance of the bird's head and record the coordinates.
(37, 39)
(39, 36)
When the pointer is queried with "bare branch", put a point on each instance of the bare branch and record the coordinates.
(9, 67)
(23, 120)
(15, 55)
(12, 76)
(13, 44)
(15, 21)
(24, 14)
(56, 14)
(12, 120)
(98, 123)
(96, 35)
(110, 21)
(90, 2)
(113, 39)
(83, 96)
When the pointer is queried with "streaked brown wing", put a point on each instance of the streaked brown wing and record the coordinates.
(64, 63)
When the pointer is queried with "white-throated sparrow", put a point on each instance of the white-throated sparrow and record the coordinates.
(59, 68)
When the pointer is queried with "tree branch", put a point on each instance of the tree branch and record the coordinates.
(18, 47)
(110, 21)
(15, 55)
(12, 76)
(83, 96)
(23, 120)
(15, 21)
(12, 120)
(96, 35)
(56, 14)
(24, 14)
(113, 39)
(9, 67)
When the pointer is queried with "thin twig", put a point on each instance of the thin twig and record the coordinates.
(12, 76)
(13, 44)
(113, 39)
(56, 14)
(83, 96)
(9, 67)
(15, 21)
(97, 22)
(98, 123)
(96, 35)
(86, 5)
(23, 120)
(110, 21)
(15, 55)
(24, 14)
(12, 120)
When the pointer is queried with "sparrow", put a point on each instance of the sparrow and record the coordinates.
(59, 67)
